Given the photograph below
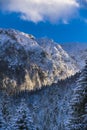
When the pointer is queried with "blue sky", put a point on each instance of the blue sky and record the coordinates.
(64, 21)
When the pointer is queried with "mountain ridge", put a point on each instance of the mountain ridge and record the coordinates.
(27, 64)
(77, 51)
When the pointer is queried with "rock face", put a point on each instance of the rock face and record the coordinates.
(27, 63)
(77, 51)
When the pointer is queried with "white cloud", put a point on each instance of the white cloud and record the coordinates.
(42, 10)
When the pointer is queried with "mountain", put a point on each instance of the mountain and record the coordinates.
(27, 63)
(78, 51)
(62, 106)
(44, 109)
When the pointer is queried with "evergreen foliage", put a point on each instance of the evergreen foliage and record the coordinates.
(78, 104)
(23, 119)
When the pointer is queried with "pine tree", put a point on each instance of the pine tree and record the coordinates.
(2, 121)
(4, 113)
(78, 104)
(23, 119)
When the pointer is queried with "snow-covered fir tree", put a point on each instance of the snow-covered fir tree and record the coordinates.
(78, 104)
(2, 121)
(23, 119)
(5, 109)
(5, 112)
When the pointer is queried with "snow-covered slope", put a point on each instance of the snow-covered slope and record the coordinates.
(78, 51)
(61, 60)
(62, 106)
(46, 109)
(27, 63)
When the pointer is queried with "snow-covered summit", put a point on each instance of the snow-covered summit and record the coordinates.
(27, 63)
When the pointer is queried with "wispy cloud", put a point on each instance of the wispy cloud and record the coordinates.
(42, 10)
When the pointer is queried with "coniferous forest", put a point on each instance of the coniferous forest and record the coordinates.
(61, 106)
(42, 87)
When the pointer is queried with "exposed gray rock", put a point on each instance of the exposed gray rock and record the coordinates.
(27, 63)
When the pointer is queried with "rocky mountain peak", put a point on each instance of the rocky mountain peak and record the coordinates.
(28, 63)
